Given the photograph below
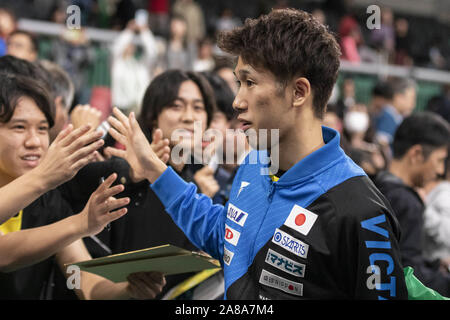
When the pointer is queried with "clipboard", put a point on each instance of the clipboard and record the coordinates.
(167, 259)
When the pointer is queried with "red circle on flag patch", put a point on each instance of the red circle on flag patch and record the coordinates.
(291, 287)
(300, 219)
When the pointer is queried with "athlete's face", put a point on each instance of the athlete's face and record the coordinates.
(24, 140)
(261, 103)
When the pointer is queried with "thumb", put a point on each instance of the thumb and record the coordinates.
(207, 171)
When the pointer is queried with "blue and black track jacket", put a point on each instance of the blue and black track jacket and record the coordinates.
(322, 231)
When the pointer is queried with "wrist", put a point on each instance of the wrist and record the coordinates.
(40, 182)
(157, 169)
(79, 225)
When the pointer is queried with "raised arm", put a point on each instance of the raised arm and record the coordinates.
(69, 152)
(29, 246)
(200, 220)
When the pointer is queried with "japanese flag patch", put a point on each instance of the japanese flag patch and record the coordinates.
(301, 220)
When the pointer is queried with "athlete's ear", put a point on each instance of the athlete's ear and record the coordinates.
(302, 91)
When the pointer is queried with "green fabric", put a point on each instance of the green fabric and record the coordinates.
(416, 290)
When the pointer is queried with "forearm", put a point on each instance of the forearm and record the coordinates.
(30, 246)
(94, 287)
(194, 213)
(20, 193)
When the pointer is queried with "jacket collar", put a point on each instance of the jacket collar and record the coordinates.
(317, 161)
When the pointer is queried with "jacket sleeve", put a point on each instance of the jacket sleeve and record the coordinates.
(201, 221)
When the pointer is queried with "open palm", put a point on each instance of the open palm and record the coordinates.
(138, 152)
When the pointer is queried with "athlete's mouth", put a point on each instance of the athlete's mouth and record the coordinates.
(244, 124)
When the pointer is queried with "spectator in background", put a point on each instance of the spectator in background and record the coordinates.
(44, 228)
(63, 92)
(227, 20)
(350, 38)
(73, 52)
(402, 104)
(441, 103)
(216, 182)
(436, 54)
(383, 39)
(224, 68)
(420, 150)
(437, 219)
(23, 45)
(381, 96)
(347, 96)
(320, 16)
(205, 59)
(7, 25)
(125, 11)
(179, 52)
(193, 15)
(361, 149)
(403, 42)
(131, 73)
(174, 100)
(159, 16)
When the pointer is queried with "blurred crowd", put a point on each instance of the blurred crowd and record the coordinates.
(163, 43)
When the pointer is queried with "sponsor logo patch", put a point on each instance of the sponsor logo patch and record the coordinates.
(274, 281)
(243, 185)
(237, 215)
(288, 242)
(285, 264)
(227, 256)
(231, 235)
(301, 220)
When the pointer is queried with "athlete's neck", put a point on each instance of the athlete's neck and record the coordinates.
(297, 145)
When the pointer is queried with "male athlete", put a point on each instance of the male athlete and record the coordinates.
(317, 228)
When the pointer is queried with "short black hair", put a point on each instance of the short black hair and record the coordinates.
(423, 128)
(163, 91)
(223, 94)
(15, 87)
(383, 89)
(33, 70)
(289, 43)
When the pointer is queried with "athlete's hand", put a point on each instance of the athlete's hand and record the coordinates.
(138, 152)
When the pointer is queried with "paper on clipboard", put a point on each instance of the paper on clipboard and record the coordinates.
(167, 259)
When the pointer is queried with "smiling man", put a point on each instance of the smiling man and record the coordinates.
(317, 228)
(46, 227)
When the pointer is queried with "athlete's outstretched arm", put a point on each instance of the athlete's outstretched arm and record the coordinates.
(200, 220)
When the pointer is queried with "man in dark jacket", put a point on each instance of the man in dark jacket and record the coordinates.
(419, 150)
